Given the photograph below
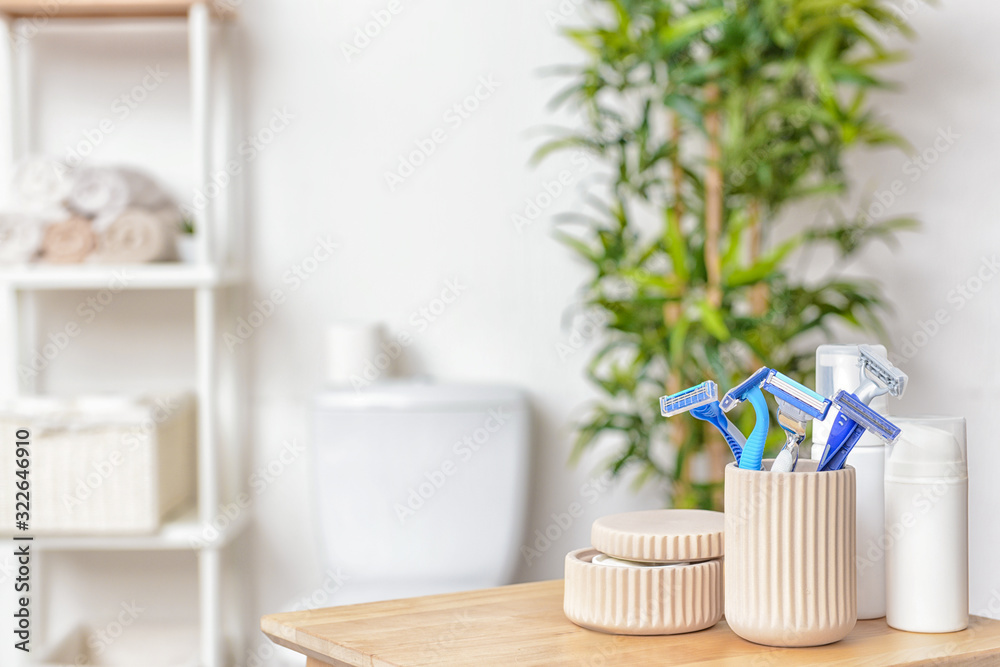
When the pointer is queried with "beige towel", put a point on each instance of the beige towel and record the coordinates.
(20, 237)
(138, 236)
(68, 242)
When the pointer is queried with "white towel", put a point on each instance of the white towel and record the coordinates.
(138, 236)
(103, 194)
(20, 237)
(40, 187)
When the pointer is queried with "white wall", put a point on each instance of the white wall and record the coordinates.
(324, 175)
(948, 89)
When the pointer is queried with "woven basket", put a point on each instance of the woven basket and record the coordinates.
(100, 465)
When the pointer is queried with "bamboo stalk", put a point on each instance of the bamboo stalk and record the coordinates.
(713, 198)
(713, 445)
(759, 294)
(672, 309)
(676, 171)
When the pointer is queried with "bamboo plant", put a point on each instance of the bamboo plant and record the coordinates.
(710, 118)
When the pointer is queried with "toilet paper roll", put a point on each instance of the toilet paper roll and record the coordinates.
(354, 351)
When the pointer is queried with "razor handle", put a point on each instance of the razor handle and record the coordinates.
(844, 434)
(713, 415)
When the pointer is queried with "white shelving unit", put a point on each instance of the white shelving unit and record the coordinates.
(214, 282)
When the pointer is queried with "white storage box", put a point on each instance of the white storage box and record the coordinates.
(101, 464)
(149, 645)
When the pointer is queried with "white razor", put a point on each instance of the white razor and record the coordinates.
(878, 376)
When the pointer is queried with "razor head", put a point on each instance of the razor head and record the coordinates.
(791, 416)
(796, 395)
(852, 407)
(738, 394)
(689, 399)
(879, 369)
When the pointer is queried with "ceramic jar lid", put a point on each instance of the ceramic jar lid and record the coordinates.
(661, 536)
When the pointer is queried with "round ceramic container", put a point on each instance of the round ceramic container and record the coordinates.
(657, 572)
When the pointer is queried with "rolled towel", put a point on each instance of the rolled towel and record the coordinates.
(40, 187)
(20, 237)
(68, 242)
(138, 236)
(103, 193)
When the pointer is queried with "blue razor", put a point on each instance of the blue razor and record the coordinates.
(878, 377)
(797, 404)
(749, 389)
(702, 401)
(852, 421)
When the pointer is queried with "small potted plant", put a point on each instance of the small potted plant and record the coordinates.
(187, 249)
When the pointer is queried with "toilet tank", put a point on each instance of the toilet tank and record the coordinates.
(421, 487)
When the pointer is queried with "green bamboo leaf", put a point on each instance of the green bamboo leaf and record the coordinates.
(565, 143)
(691, 24)
(678, 338)
(712, 320)
(580, 247)
(585, 39)
(676, 246)
(765, 265)
(670, 285)
(739, 221)
(684, 106)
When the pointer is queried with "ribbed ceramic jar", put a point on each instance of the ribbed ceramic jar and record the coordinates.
(657, 572)
(791, 577)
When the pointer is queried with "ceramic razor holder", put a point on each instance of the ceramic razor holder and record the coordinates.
(790, 576)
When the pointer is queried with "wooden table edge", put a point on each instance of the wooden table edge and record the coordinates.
(288, 633)
(290, 638)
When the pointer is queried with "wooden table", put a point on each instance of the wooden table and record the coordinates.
(524, 625)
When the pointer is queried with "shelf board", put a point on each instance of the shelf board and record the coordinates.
(183, 533)
(166, 275)
(107, 8)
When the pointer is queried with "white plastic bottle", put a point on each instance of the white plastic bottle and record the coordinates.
(837, 368)
(926, 523)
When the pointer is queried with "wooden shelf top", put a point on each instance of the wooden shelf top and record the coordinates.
(108, 8)
(525, 625)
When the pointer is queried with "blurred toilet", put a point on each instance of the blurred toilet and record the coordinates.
(421, 487)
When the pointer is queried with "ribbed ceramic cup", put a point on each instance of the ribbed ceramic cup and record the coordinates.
(791, 577)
